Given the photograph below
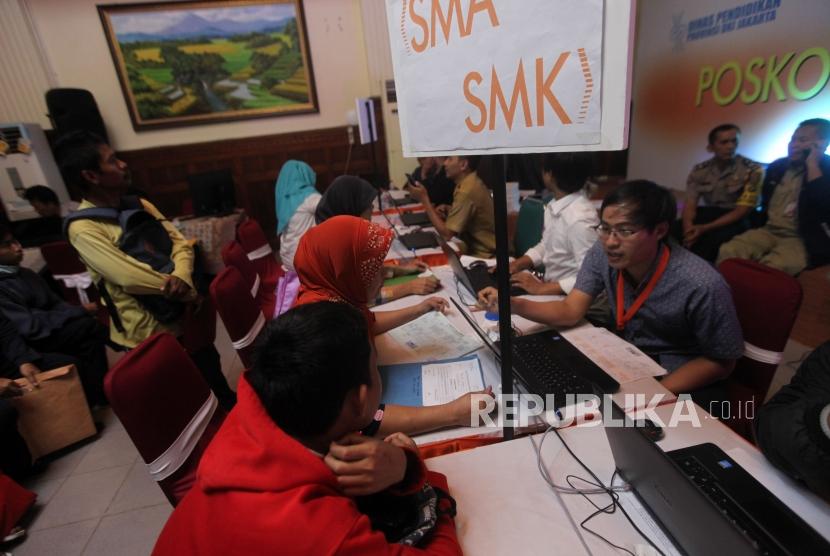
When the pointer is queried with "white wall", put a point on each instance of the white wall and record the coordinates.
(76, 47)
(669, 122)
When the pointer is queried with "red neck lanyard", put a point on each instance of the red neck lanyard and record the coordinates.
(624, 316)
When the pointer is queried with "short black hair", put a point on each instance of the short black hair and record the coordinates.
(472, 161)
(822, 127)
(42, 194)
(78, 151)
(713, 134)
(570, 170)
(305, 363)
(649, 204)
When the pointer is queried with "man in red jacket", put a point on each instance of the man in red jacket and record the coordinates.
(286, 472)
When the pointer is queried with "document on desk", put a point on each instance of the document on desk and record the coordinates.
(432, 337)
(615, 356)
(444, 382)
(417, 384)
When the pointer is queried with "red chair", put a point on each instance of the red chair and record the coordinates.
(69, 271)
(167, 409)
(239, 311)
(233, 255)
(767, 302)
(250, 236)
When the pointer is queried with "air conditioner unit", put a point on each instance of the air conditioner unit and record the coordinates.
(28, 161)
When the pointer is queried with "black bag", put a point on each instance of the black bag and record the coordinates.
(144, 238)
(408, 519)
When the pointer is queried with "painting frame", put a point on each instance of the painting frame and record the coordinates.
(158, 96)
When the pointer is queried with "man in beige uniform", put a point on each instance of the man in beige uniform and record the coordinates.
(470, 218)
(88, 162)
(794, 200)
(720, 193)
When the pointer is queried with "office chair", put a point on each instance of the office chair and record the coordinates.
(767, 302)
(239, 311)
(168, 410)
(529, 225)
(233, 255)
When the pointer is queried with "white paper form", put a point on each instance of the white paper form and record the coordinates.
(612, 354)
(432, 337)
(444, 382)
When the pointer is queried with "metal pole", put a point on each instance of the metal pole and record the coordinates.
(372, 140)
(503, 276)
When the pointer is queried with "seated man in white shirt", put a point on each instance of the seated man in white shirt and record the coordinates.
(569, 232)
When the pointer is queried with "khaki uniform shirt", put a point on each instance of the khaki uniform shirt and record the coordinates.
(471, 217)
(97, 243)
(736, 186)
(783, 206)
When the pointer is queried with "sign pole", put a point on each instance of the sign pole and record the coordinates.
(503, 278)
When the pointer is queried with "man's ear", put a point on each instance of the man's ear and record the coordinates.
(356, 404)
(710, 148)
(661, 230)
(91, 176)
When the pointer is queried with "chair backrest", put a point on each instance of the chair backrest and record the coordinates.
(529, 225)
(767, 302)
(233, 255)
(167, 409)
(250, 236)
(239, 311)
(69, 271)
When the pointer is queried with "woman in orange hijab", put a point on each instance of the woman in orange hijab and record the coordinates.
(342, 260)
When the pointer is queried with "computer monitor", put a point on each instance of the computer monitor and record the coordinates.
(213, 193)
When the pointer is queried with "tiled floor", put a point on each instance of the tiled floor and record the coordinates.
(99, 499)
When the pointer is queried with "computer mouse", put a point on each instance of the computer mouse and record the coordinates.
(652, 431)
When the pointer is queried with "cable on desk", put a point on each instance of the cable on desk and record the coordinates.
(599, 488)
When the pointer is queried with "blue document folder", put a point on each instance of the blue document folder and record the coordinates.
(402, 382)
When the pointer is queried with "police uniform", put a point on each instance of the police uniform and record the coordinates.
(716, 192)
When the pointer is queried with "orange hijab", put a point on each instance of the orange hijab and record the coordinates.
(339, 259)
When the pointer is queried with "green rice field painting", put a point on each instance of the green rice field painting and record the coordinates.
(186, 63)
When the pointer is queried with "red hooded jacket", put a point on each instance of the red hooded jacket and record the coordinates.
(259, 491)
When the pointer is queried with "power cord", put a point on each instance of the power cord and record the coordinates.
(599, 488)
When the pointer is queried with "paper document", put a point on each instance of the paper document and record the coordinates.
(615, 356)
(646, 523)
(432, 337)
(444, 382)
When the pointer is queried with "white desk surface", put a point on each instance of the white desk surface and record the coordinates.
(504, 505)
(390, 352)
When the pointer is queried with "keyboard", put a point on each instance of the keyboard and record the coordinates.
(708, 484)
(545, 371)
(419, 240)
(481, 278)
(415, 219)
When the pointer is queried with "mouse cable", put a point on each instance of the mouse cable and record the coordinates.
(600, 488)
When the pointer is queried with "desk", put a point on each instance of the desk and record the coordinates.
(390, 352)
(504, 506)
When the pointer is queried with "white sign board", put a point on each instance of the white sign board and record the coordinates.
(508, 76)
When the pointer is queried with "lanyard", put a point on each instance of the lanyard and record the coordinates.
(624, 316)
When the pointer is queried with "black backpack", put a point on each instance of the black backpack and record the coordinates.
(144, 238)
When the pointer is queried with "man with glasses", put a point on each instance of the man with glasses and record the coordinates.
(668, 302)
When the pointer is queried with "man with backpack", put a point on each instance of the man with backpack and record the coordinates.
(145, 279)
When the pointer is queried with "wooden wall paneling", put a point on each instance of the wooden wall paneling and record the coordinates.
(255, 162)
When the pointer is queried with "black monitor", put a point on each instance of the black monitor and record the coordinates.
(213, 193)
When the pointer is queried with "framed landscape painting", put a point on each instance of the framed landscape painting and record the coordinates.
(187, 63)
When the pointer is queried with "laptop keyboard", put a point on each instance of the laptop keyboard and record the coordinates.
(708, 484)
(554, 375)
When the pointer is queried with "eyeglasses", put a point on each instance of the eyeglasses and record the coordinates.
(604, 231)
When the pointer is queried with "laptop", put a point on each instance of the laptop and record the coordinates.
(415, 219)
(405, 200)
(704, 501)
(546, 363)
(474, 278)
(418, 240)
